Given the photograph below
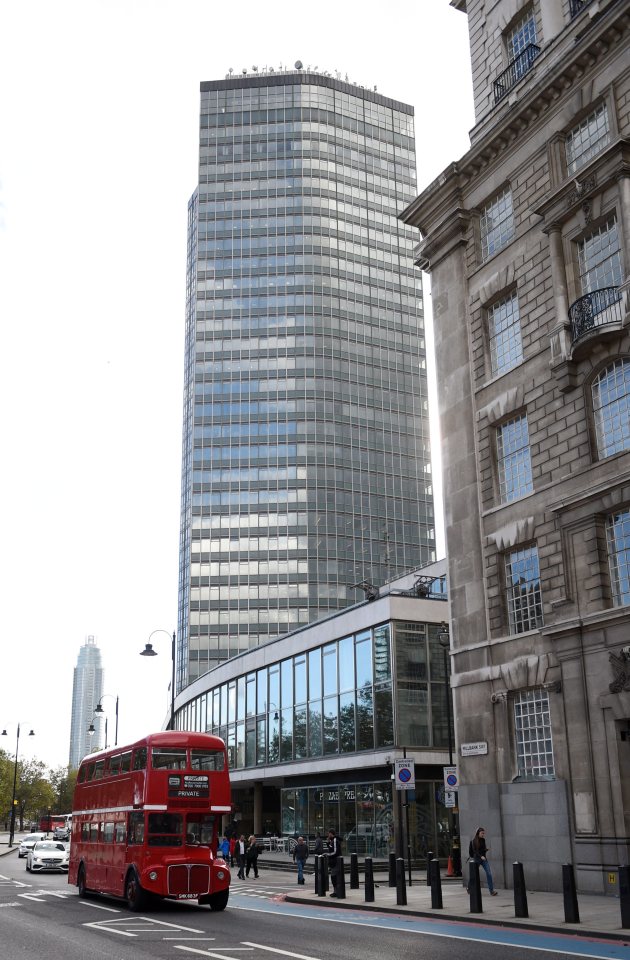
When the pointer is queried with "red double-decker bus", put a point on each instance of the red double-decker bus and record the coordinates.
(145, 821)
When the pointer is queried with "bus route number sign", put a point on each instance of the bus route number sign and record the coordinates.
(405, 775)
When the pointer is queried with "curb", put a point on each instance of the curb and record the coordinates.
(464, 918)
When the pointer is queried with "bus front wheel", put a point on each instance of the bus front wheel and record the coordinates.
(136, 897)
(216, 901)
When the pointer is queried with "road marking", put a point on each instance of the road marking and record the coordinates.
(210, 953)
(136, 925)
(31, 896)
(284, 953)
(98, 906)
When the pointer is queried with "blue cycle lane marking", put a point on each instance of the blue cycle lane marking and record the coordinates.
(574, 945)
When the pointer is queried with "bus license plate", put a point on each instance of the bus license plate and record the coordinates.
(187, 896)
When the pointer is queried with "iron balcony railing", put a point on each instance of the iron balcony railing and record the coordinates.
(576, 6)
(516, 70)
(597, 309)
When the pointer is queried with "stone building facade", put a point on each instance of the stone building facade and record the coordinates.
(527, 241)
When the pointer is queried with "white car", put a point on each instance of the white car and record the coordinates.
(48, 855)
(27, 843)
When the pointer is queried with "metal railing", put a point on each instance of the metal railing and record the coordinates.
(596, 309)
(576, 7)
(516, 70)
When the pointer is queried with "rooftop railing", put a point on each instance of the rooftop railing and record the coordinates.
(516, 70)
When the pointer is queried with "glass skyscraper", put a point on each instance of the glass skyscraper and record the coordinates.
(87, 690)
(306, 462)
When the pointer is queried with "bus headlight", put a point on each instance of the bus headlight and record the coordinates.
(153, 875)
(220, 874)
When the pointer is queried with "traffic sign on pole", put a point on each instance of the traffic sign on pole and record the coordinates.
(451, 780)
(405, 774)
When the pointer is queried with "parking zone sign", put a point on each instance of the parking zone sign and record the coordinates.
(405, 774)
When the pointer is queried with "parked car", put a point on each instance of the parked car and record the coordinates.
(27, 843)
(48, 855)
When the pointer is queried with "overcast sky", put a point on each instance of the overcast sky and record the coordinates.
(98, 157)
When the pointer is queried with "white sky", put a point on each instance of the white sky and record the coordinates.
(98, 157)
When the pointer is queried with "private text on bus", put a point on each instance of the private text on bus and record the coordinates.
(146, 817)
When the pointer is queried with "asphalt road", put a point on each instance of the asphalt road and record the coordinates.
(42, 918)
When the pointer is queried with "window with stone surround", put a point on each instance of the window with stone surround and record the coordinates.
(532, 728)
(504, 334)
(599, 258)
(521, 34)
(496, 224)
(523, 591)
(513, 459)
(610, 392)
(618, 542)
(587, 138)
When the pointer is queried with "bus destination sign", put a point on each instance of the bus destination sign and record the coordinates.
(193, 786)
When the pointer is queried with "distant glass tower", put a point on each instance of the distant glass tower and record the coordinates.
(306, 461)
(87, 690)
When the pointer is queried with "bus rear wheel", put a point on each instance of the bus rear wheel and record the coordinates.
(216, 901)
(136, 897)
(81, 882)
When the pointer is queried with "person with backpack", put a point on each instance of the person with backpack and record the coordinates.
(300, 855)
(478, 853)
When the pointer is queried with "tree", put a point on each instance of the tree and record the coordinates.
(6, 787)
(34, 792)
(63, 781)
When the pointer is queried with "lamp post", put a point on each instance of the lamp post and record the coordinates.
(445, 642)
(15, 770)
(99, 709)
(150, 652)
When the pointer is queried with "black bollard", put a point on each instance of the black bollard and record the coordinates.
(429, 859)
(520, 891)
(401, 887)
(571, 912)
(624, 896)
(354, 871)
(369, 881)
(316, 871)
(320, 871)
(436, 885)
(340, 889)
(474, 887)
(392, 869)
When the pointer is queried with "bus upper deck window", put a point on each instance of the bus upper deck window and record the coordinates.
(140, 758)
(164, 759)
(207, 760)
(125, 762)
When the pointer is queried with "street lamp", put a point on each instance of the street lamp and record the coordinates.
(15, 770)
(99, 709)
(150, 652)
(445, 642)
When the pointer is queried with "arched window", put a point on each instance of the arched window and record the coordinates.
(611, 408)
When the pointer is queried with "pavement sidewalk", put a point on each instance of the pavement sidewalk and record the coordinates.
(600, 916)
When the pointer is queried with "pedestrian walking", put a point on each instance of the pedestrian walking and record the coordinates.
(232, 840)
(478, 852)
(251, 856)
(333, 844)
(240, 853)
(318, 849)
(300, 856)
